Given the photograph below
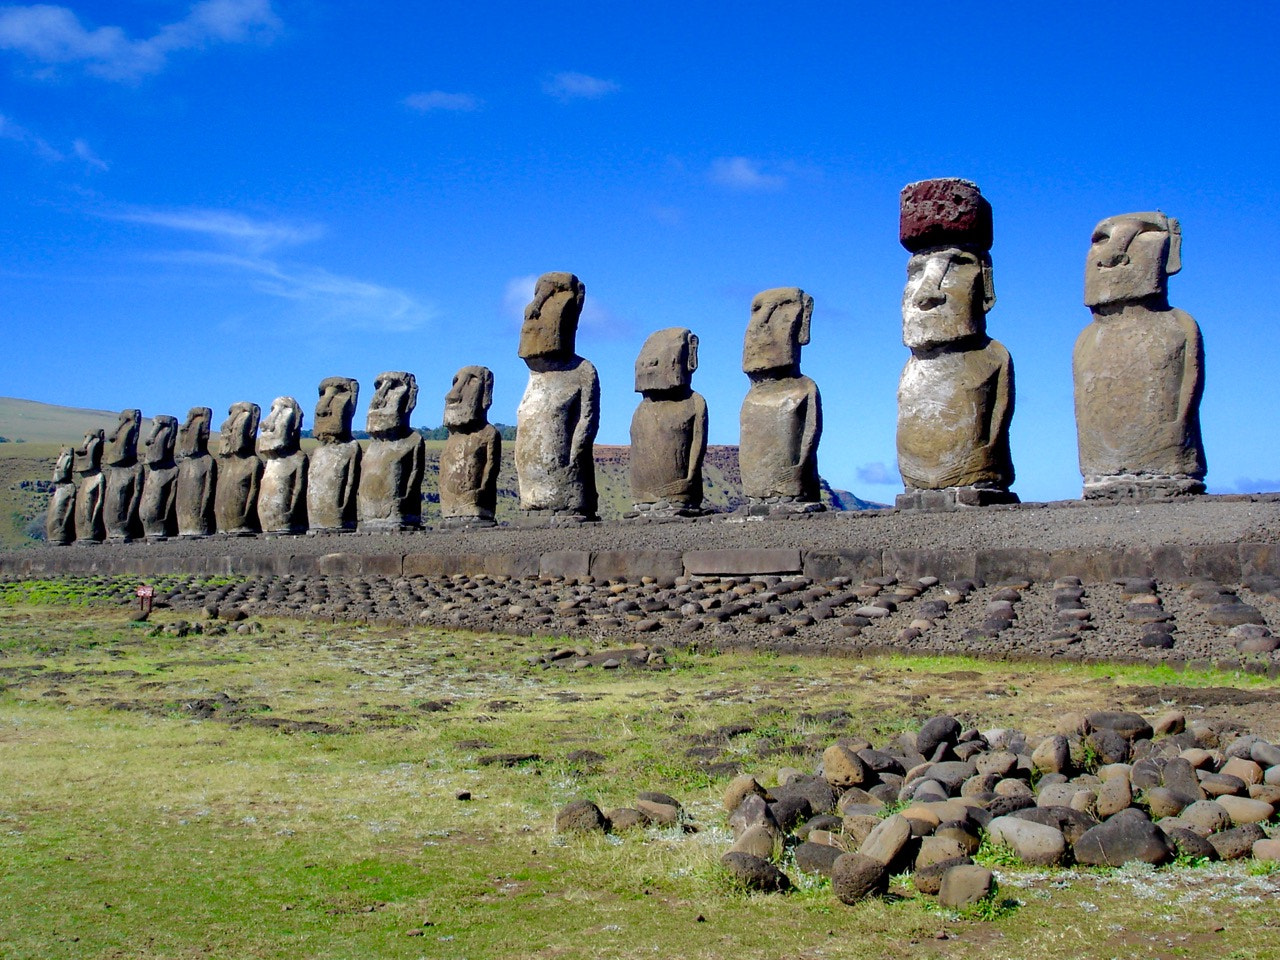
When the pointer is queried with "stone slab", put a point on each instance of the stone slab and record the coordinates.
(634, 564)
(565, 564)
(733, 563)
(855, 564)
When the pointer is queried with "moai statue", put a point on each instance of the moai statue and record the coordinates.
(669, 427)
(781, 417)
(473, 453)
(235, 501)
(123, 474)
(559, 414)
(282, 492)
(1138, 367)
(333, 475)
(158, 508)
(955, 396)
(60, 520)
(390, 493)
(197, 475)
(91, 489)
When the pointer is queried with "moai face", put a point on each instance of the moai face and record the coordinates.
(89, 454)
(193, 435)
(947, 296)
(239, 428)
(1131, 257)
(467, 403)
(551, 319)
(281, 430)
(667, 361)
(394, 397)
(335, 408)
(62, 466)
(157, 448)
(122, 445)
(778, 328)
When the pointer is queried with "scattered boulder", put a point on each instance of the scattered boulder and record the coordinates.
(855, 877)
(755, 873)
(1123, 839)
(964, 885)
(581, 816)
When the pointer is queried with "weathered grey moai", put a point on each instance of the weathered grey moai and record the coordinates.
(472, 454)
(390, 493)
(282, 492)
(91, 488)
(559, 415)
(60, 519)
(1138, 367)
(955, 396)
(123, 474)
(781, 417)
(158, 507)
(669, 427)
(235, 501)
(333, 474)
(197, 475)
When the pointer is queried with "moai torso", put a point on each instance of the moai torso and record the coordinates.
(197, 476)
(158, 506)
(469, 467)
(235, 502)
(91, 488)
(282, 491)
(556, 426)
(123, 475)
(669, 426)
(333, 473)
(391, 467)
(60, 519)
(781, 424)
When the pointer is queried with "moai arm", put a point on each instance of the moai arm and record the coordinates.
(413, 479)
(1192, 386)
(492, 464)
(698, 443)
(584, 431)
(1002, 407)
(812, 430)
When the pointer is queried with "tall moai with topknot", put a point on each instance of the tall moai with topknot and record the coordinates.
(235, 501)
(955, 395)
(124, 476)
(669, 427)
(197, 475)
(1138, 367)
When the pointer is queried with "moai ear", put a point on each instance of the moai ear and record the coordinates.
(1173, 262)
(413, 390)
(988, 284)
(255, 416)
(806, 315)
(693, 352)
(486, 393)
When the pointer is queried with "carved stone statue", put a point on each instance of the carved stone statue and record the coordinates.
(781, 417)
(669, 427)
(559, 414)
(197, 475)
(390, 493)
(158, 507)
(91, 488)
(60, 520)
(235, 502)
(333, 474)
(473, 453)
(123, 474)
(1139, 366)
(282, 492)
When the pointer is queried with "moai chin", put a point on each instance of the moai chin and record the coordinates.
(158, 507)
(123, 475)
(559, 415)
(91, 489)
(781, 417)
(1138, 367)
(197, 475)
(333, 474)
(669, 427)
(282, 491)
(60, 520)
(390, 491)
(955, 395)
(472, 453)
(235, 502)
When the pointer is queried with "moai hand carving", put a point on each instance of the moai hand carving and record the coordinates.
(91, 488)
(282, 491)
(239, 472)
(197, 475)
(390, 493)
(60, 520)
(559, 415)
(1138, 367)
(158, 507)
(123, 475)
(669, 427)
(472, 454)
(781, 417)
(956, 395)
(333, 475)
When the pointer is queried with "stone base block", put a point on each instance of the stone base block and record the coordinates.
(954, 498)
(389, 526)
(780, 507)
(1132, 486)
(466, 523)
(665, 510)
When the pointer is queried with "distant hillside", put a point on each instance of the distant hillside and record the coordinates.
(27, 421)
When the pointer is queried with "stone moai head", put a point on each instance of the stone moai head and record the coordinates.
(281, 431)
(395, 394)
(667, 361)
(157, 448)
(193, 435)
(89, 454)
(122, 445)
(551, 319)
(946, 225)
(1131, 257)
(467, 404)
(778, 328)
(239, 428)
(335, 409)
(62, 466)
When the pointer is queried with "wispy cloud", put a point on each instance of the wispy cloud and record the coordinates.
(21, 135)
(744, 174)
(256, 236)
(598, 318)
(440, 100)
(1251, 485)
(577, 86)
(516, 295)
(876, 474)
(51, 35)
(85, 153)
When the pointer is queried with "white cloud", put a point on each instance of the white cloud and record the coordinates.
(876, 474)
(577, 86)
(91, 159)
(743, 173)
(37, 145)
(439, 100)
(52, 35)
(596, 317)
(516, 296)
(257, 236)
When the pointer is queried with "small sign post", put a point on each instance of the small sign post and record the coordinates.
(145, 593)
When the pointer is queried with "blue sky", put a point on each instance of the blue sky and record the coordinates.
(234, 199)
